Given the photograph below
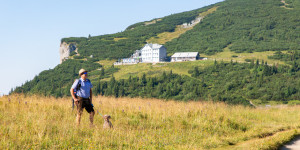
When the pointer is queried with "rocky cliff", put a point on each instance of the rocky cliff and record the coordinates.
(65, 50)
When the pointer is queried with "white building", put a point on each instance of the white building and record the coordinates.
(152, 53)
(185, 56)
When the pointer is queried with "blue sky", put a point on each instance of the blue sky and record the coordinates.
(31, 30)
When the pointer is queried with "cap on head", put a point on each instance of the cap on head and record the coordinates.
(81, 71)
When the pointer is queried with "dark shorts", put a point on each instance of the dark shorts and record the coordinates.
(84, 103)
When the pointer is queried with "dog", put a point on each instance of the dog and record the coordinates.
(107, 124)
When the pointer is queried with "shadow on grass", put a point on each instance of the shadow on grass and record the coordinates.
(292, 145)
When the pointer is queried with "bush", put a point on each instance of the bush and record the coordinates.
(248, 60)
(78, 57)
(294, 102)
(73, 53)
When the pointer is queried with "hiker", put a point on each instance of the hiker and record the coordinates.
(83, 96)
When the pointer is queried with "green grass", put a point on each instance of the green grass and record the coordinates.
(182, 68)
(107, 63)
(157, 69)
(228, 55)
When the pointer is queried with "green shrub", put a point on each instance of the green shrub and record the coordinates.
(248, 60)
(73, 53)
(78, 57)
(294, 102)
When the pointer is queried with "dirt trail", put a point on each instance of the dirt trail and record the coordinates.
(293, 145)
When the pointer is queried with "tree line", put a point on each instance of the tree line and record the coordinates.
(233, 83)
(230, 82)
(56, 82)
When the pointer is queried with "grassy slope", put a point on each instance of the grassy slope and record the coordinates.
(164, 37)
(157, 69)
(183, 67)
(47, 123)
(226, 55)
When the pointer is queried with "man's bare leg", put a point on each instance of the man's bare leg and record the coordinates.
(78, 118)
(92, 114)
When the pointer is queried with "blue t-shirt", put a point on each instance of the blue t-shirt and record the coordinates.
(85, 88)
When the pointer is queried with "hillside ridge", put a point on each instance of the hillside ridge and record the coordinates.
(261, 33)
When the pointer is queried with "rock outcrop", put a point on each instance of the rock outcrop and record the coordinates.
(192, 23)
(65, 50)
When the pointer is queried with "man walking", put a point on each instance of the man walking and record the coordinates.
(83, 96)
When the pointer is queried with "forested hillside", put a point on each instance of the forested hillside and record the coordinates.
(56, 82)
(231, 82)
(123, 44)
(249, 25)
(239, 26)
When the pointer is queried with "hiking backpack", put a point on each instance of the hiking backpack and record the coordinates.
(77, 89)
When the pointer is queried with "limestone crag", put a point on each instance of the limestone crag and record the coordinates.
(192, 23)
(65, 50)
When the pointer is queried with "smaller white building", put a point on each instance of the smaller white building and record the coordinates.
(137, 55)
(134, 59)
(129, 60)
(185, 56)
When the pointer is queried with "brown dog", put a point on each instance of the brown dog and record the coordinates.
(107, 124)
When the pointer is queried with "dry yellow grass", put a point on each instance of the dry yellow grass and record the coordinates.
(118, 39)
(285, 4)
(162, 38)
(169, 36)
(152, 22)
(107, 63)
(35, 122)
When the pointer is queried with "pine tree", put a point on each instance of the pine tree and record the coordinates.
(143, 80)
(102, 73)
(252, 64)
(196, 72)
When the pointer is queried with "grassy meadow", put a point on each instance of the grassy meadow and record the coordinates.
(228, 55)
(182, 68)
(35, 122)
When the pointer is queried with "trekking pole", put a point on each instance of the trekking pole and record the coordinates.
(72, 104)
